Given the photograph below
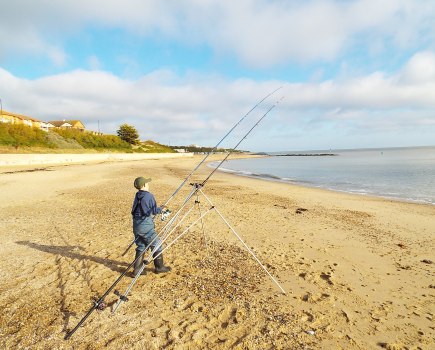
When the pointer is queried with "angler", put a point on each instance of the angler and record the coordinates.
(143, 210)
(100, 304)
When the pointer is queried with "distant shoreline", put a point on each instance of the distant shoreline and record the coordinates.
(305, 155)
(296, 154)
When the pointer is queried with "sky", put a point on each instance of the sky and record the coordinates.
(351, 73)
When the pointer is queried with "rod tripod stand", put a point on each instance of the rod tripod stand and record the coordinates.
(168, 230)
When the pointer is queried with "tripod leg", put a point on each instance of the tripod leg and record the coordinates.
(245, 245)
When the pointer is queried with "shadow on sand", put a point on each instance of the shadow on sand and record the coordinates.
(71, 252)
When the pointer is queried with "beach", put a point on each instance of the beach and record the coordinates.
(358, 271)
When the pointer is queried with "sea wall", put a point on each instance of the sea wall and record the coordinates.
(40, 159)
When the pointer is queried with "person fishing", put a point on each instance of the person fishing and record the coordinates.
(143, 210)
(99, 304)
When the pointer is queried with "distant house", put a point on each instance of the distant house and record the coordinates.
(14, 118)
(46, 126)
(68, 124)
(63, 124)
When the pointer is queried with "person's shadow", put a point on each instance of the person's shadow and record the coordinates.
(71, 252)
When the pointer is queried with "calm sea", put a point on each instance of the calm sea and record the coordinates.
(398, 173)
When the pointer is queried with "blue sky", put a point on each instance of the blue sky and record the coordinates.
(354, 73)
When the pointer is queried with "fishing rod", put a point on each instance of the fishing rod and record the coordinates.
(241, 140)
(208, 154)
(99, 304)
(215, 169)
(217, 145)
(198, 188)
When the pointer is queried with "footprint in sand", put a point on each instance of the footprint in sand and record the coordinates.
(381, 312)
(307, 317)
(315, 298)
(228, 315)
(187, 304)
(326, 277)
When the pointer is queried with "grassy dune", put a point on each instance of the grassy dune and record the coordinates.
(24, 139)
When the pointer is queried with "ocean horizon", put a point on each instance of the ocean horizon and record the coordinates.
(400, 173)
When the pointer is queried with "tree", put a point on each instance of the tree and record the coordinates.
(128, 134)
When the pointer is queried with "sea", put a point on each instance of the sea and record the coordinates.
(396, 173)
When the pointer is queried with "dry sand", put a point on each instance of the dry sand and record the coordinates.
(24, 159)
(358, 271)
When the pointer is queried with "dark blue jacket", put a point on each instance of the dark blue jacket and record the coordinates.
(144, 204)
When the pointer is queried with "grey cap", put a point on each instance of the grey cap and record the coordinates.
(140, 182)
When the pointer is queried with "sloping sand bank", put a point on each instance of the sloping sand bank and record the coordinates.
(358, 271)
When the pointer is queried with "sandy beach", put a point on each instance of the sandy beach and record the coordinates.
(358, 271)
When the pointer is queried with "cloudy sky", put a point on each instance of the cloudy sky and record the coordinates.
(353, 73)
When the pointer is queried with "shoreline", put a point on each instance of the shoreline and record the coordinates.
(357, 270)
(364, 193)
(301, 184)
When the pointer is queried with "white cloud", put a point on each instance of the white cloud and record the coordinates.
(158, 104)
(200, 109)
(259, 33)
(419, 69)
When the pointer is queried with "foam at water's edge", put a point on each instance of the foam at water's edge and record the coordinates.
(364, 192)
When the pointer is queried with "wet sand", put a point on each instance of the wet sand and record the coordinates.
(358, 271)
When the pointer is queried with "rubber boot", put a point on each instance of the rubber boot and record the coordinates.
(138, 264)
(159, 264)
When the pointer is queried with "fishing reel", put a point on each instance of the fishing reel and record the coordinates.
(165, 214)
(100, 305)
